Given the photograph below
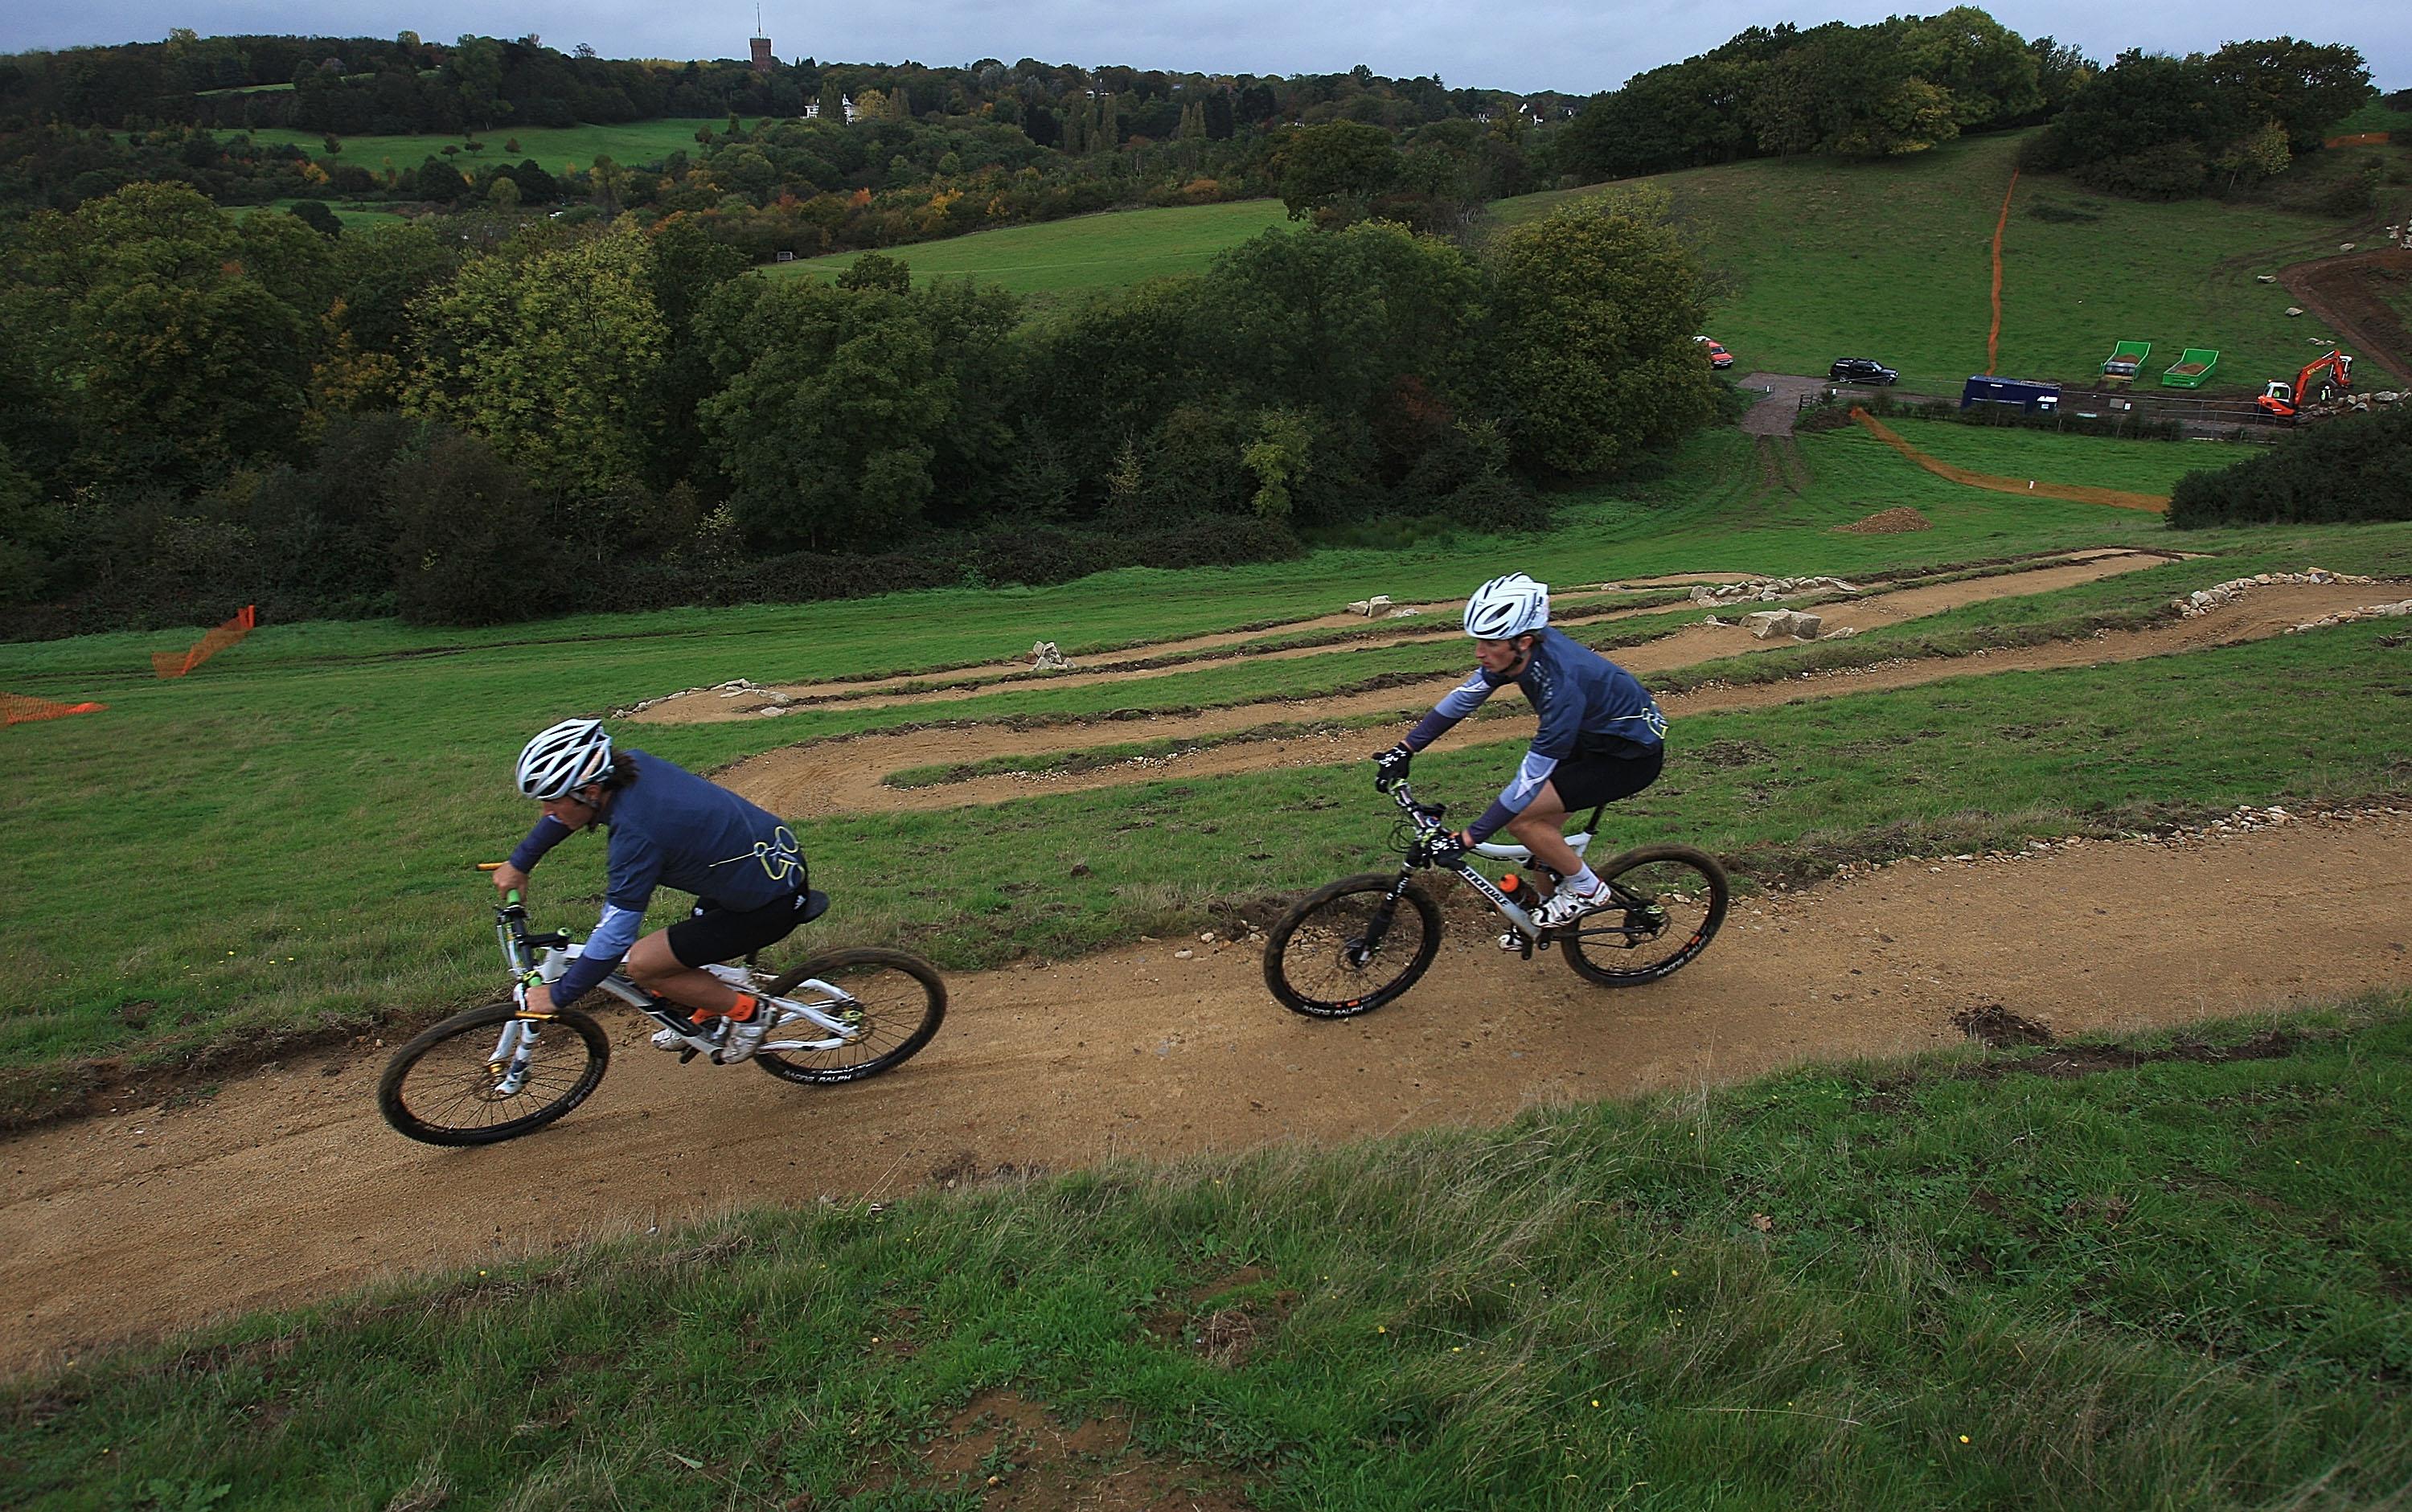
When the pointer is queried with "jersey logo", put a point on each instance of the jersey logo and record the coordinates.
(780, 856)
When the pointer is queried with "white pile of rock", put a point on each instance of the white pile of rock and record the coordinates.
(1044, 657)
(1767, 589)
(2367, 611)
(2353, 403)
(1379, 604)
(734, 687)
(1766, 624)
(2203, 600)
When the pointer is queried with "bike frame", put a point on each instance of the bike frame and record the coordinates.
(1426, 819)
(515, 1046)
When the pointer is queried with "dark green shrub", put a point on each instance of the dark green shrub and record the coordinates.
(2171, 170)
(2355, 468)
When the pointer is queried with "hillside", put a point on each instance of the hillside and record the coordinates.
(1893, 261)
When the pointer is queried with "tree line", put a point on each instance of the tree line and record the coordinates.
(2149, 125)
(196, 409)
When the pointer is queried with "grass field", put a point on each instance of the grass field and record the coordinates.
(1945, 1282)
(1077, 256)
(303, 863)
(354, 217)
(1893, 261)
(557, 148)
(2132, 466)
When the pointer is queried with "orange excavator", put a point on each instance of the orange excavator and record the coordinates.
(2330, 372)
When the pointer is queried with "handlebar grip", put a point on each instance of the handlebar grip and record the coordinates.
(512, 898)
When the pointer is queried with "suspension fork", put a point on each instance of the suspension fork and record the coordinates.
(1365, 946)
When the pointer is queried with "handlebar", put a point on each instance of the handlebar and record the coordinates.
(1426, 816)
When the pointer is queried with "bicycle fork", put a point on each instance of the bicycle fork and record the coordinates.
(514, 1052)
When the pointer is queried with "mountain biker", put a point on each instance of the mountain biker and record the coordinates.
(667, 826)
(1601, 735)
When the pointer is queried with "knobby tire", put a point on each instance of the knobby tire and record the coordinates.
(1314, 974)
(453, 1102)
(1616, 946)
(901, 1012)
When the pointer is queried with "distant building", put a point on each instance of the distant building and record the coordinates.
(762, 59)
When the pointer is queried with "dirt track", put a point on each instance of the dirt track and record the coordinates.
(285, 1186)
(845, 776)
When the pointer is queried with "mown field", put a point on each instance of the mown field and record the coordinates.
(559, 149)
(1895, 261)
(302, 864)
(1080, 254)
(2169, 1274)
(2132, 466)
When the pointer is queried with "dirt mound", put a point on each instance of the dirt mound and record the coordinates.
(1888, 522)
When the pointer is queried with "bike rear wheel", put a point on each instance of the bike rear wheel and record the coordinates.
(448, 1087)
(1669, 902)
(895, 1002)
(1344, 951)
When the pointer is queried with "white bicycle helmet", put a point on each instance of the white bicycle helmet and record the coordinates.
(564, 758)
(1507, 606)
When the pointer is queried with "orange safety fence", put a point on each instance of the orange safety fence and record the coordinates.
(2074, 493)
(1994, 333)
(17, 709)
(177, 662)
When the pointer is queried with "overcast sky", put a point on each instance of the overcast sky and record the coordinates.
(1502, 44)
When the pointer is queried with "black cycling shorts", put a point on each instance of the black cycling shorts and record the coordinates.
(1586, 782)
(714, 933)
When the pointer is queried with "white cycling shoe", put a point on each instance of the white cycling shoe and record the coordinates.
(733, 1041)
(1565, 906)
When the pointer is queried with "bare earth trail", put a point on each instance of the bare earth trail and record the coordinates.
(828, 777)
(705, 705)
(285, 1187)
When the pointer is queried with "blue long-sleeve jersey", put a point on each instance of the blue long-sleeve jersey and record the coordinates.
(1586, 704)
(671, 827)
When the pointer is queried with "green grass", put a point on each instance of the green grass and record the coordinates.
(2175, 1281)
(2373, 116)
(1077, 256)
(354, 217)
(634, 144)
(1893, 261)
(2092, 461)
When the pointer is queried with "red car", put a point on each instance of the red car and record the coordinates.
(1719, 356)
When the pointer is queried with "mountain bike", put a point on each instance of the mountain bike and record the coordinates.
(496, 1072)
(1350, 947)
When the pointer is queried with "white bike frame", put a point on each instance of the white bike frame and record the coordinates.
(1430, 828)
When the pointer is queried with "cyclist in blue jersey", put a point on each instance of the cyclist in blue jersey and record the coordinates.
(668, 825)
(1601, 735)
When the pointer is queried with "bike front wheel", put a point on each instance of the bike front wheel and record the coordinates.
(489, 1075)
(1346, 949)
(1669, 900)
(885, 1005)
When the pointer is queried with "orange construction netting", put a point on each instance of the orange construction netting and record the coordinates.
(177, 662)
(17, 709)
(2074, 493)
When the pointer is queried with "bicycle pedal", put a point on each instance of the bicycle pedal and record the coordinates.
(687, 1053)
